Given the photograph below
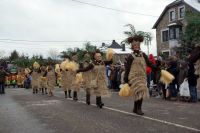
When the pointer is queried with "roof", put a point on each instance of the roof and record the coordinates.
(119, 51)
(195, 4)
(115, 45)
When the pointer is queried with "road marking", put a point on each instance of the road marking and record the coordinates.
(146, 117)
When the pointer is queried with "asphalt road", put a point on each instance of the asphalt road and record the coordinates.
(23, 112)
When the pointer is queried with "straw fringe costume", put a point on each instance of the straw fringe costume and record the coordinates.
(135, 76)
(35, 80)
(43, 82)
(95, 83)
(66, 79)
(51, 81)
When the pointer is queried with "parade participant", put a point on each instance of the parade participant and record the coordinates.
(74, 85)
(98, 85)
(20, 79)
(87, 78)
(35, 77)
(51, 79)
(43, 80)
(65, 77)
(135, 73)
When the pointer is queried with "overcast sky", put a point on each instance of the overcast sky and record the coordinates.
(66, 20)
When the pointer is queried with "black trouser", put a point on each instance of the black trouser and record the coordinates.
(2, 88)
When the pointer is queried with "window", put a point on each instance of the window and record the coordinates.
(172, 15)
(165, 54)
(181, 12)
(165, 36)
(174, 33)
(177, 33)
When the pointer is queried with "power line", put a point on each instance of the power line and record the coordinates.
(113, 9)
(47, 41)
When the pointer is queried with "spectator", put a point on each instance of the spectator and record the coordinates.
(172, 86)
(192, 80)
(3, 75)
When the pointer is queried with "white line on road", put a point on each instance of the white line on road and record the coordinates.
(146, 117)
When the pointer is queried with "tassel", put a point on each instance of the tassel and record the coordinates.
(166, 77)
(109, 54)
(124, 91)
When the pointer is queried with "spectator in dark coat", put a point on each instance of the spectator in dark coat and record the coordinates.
(192, 80)
(3, 75)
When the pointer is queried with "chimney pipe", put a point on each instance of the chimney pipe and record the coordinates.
(123, 47)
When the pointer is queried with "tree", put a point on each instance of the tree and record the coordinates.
(2, 52)
(191, 35)
(89, 47)
(147, 35)
(14, 55)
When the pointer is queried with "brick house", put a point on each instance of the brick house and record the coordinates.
(171, 24)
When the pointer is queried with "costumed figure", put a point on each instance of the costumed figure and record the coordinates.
(43, 80)
(98, 85)
(51, 79)
(20, 79)
(35, 77)
(135, 73)
(72, 67)
(66, 77)
(87, 77)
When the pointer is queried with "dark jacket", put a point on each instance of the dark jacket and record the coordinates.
(3, 75)
(192, 78)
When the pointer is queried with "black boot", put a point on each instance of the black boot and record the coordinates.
(36, 90)
(69, 92)
(65, 94)
(46, 91)
(88, 98)
(75, 96)
(33, 91)
(42, 91)
(99, 102)
(139, 111)
(135, 109)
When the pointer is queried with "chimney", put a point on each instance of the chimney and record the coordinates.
(103, 44)
(123, 47)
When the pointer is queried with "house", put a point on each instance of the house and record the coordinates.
(171, 24)
(120, 51)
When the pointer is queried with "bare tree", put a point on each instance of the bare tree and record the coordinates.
(53, 54)
(2, 52)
